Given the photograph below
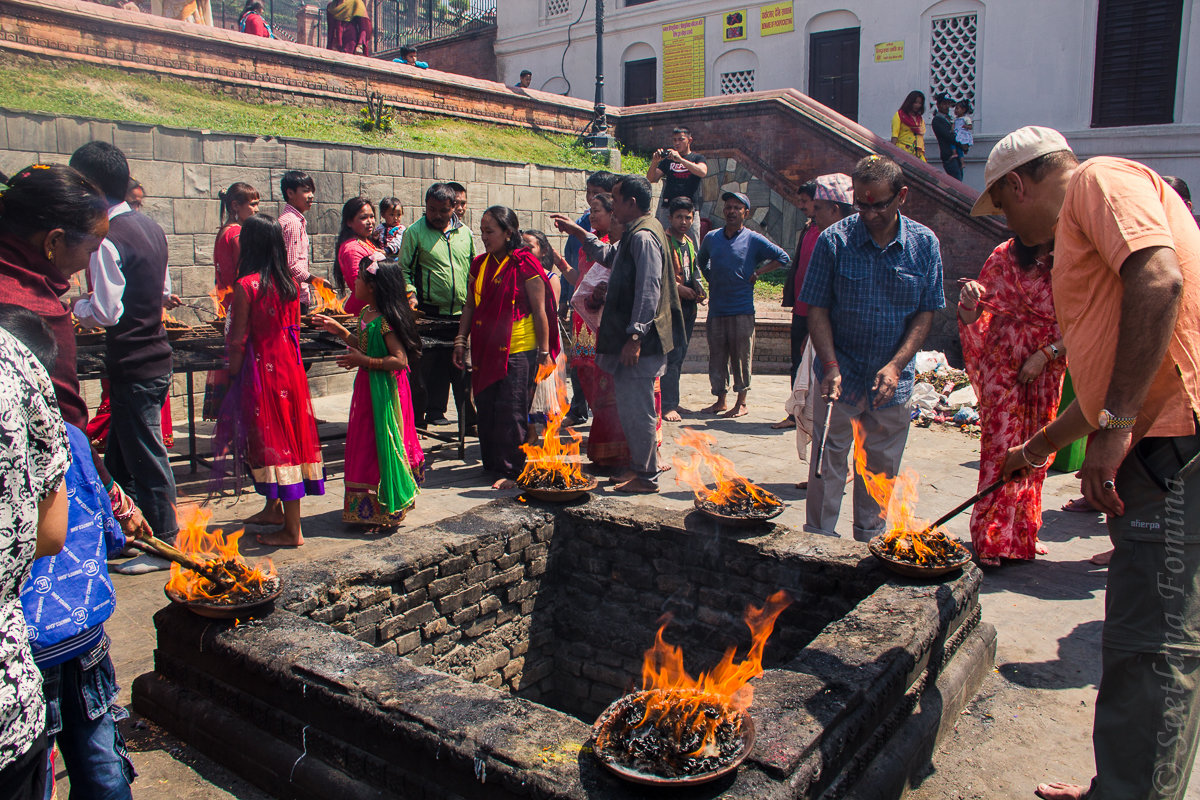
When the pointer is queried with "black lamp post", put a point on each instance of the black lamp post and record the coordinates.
(598, 136)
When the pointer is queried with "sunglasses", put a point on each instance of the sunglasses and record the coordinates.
(878, 208)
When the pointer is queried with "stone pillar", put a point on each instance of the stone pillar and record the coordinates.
(308, 28)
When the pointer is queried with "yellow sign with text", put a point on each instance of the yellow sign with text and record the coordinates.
(889, 51)
(776, 18)
(734, 28)
(683, 59)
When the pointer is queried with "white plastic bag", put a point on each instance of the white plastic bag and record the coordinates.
(596, 275)
(930, 361)
(963, 397)
(924, 397)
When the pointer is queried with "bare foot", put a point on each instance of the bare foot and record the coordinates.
(1061, 791)
(802, 485)
(718, 407)
(265, 517)
(637, 486)
(737, 411)
(504, 483)
(1040, 549)
(1079, 504)
(986, 561)
(622, 477)
(784, 424)
(1102, 559)
(672, 416)
(280, 538)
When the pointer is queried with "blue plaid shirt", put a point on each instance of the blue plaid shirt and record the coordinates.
(872, 293)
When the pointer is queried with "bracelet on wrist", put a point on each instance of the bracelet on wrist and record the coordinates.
(966, 307)
(830, 364)
(1025, 455)
(1046, 435)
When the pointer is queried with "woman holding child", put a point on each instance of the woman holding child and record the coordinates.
(507, 324)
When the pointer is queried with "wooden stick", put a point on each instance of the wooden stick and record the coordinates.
(963, 506)
(156, 546)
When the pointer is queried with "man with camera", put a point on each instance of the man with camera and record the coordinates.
(683, 170)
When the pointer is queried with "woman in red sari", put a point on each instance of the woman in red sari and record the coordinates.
(1014, 356)
(507, 320)
(238, 203)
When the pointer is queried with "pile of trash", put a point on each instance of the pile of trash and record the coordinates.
(943, 395)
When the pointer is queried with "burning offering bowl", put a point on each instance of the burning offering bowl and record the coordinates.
(742, 514)
(672, 737)
(238, 602)
(553, 493)
(898, 555)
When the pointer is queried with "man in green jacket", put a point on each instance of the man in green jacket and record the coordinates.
(436, 254)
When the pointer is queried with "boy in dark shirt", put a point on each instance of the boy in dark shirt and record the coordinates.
(691, 295)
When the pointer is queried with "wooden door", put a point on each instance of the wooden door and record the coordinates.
(833, 70)
(641, 82)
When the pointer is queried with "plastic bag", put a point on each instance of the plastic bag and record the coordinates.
(931, 361)
(596, 275)
(966, 416)
(924, 397)
(964, 396)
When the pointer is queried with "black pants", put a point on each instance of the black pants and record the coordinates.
(438, 376)
(670, 379)
(504, 416)
(799, 337)
(136, 456)
(25, 778)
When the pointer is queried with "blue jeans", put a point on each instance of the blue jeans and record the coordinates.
(670, 379)
(82, 715)
(136, 455)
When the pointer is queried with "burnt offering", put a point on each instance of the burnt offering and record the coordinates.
(552, 469)
(227, 581)
(735, 497)
(672, 734)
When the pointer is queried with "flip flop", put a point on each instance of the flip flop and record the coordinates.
(637, 486)
(1079, 505)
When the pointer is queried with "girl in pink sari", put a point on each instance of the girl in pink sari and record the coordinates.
(384, 461)
(1014, 357)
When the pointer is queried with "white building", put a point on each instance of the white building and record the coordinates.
(1117, 77)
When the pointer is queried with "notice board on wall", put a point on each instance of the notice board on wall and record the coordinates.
(683, 59)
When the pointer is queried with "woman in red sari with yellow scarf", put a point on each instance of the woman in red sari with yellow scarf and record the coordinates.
(507, 322)
(1014, 355)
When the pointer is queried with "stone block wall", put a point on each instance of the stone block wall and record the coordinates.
(183, 170)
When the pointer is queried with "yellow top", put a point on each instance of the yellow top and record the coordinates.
(522, 339)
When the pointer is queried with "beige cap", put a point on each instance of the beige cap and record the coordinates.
(1019, 147)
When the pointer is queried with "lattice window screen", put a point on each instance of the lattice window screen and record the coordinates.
(952, 57)
(737, 82)
(556, 7)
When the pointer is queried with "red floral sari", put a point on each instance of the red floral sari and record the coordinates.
(1017, 320)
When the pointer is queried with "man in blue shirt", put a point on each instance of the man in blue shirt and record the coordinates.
(729, 259)
(873, 284)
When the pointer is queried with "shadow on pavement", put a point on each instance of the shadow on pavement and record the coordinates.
(1077, 665)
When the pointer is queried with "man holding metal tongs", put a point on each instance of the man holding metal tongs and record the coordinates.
(872, 286)
(1126, 283)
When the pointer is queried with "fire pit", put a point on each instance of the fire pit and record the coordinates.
(470, 658)
(553, 471)
(735, 500)
(243, 591)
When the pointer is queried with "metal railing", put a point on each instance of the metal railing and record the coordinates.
(396, 23)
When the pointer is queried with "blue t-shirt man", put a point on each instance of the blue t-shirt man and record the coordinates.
(730, 264)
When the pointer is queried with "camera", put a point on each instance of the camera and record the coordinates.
(661, 152)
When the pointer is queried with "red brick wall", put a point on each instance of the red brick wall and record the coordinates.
(471, 53)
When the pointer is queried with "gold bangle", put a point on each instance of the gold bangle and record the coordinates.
(1046, 434)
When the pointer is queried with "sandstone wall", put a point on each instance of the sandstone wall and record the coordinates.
(183, 170)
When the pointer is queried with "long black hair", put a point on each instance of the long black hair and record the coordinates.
(544, 248)
(386, 278)
(349, 212)
(42, 197)
(265, 254)
(28, 328)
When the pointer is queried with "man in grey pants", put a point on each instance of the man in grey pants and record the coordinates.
(642, 320)
(872, 286)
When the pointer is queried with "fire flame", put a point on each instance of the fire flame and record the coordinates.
(906, 535)
(731, 488)
(327, 300)
(727, 685)
(166, 317)
(555, 462)
(221, 297)
(222, 551)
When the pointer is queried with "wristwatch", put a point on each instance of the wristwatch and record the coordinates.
(635, 337)
(1110, 421)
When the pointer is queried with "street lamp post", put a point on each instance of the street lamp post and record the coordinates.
(598, 137)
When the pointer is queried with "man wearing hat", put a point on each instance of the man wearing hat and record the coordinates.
(943, 129)
(1126, 283)
(730, 259)
(872, 287)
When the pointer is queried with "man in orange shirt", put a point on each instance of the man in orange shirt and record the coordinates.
(1126, 281)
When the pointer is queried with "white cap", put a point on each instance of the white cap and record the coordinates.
(1019, 147)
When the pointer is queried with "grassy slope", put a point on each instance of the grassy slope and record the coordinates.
(86, 91)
